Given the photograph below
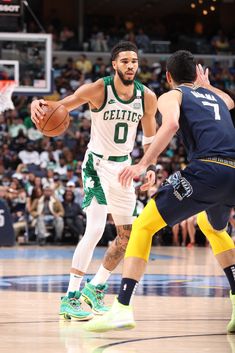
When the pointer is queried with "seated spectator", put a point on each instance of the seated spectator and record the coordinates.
(144, 74)
(34, 134)
(56, 67)
(18, 143)
(29, 155)
(16, 197)
(71, 175)
(23, 171)
(10, 158)
(68, 155)
(48, 211)
(61, 167)
(77, 191)
(36, 181)
(98, 69)
(16, 125)
(59, 188)
(16, 194)
(142, 41)
(74, 217)
(58, 145)
(99, 42)
(155, 84)
(67, 38)
(220, 43)
(130, 36)
(84, 65)
(36, 194)
(49, 178)
(31, 200)
(47, 158)
(56, 45)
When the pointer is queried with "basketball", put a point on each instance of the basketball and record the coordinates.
(55, 121)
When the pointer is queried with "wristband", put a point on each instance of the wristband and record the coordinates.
(151, 167)
(147, 140)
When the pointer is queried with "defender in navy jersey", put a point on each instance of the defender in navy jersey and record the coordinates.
(205, 187)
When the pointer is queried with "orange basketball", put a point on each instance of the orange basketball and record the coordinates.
(55, 121)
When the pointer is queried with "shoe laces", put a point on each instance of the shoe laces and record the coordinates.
(74, 301)
(101, 290)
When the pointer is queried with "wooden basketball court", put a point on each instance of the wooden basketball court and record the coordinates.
(181, 305)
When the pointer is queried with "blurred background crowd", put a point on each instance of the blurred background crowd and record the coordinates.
(40, 177)
(35, 169)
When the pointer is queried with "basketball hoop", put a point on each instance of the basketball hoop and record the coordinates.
(6, 90)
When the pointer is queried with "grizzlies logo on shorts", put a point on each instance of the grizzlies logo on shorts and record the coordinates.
(182, 188)
(200, 186)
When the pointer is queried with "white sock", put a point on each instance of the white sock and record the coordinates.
(101, 276)
(74, 282)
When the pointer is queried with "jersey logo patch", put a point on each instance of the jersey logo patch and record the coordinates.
(111, 101)
(136, 105)
(182, 187)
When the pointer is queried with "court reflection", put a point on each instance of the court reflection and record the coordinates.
(76, 340)
(151, 284)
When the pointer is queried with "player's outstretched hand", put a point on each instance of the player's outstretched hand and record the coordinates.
(150, 180)
(126, 176)
(202, 76)
(37, 111)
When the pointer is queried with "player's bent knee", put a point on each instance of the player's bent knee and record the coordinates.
(220, 241)
(203, 223)
(143, 229)
(139, 228)
(140, 241)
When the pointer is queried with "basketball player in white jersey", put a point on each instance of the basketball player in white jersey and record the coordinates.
(117, 105)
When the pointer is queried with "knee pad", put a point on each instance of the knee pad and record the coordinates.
(143, 229)
(220, 241)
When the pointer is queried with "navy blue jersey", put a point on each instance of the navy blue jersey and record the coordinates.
(206, 125)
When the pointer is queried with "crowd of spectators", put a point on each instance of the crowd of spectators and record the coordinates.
(103, 41)
(100, 35)
(40, 177)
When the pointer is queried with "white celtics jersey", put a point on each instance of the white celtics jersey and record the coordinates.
(114, 125)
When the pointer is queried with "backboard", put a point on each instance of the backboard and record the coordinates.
(27, 58)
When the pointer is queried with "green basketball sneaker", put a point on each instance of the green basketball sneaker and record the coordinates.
(231, 324)
(119, 317)
(93, 296)
(70, 308)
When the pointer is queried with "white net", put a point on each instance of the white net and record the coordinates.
(6, 90)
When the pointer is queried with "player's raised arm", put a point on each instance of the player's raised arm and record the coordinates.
(203, 81)
(92, 93)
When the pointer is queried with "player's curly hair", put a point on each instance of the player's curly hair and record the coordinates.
(123, 46)
(182, 66)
